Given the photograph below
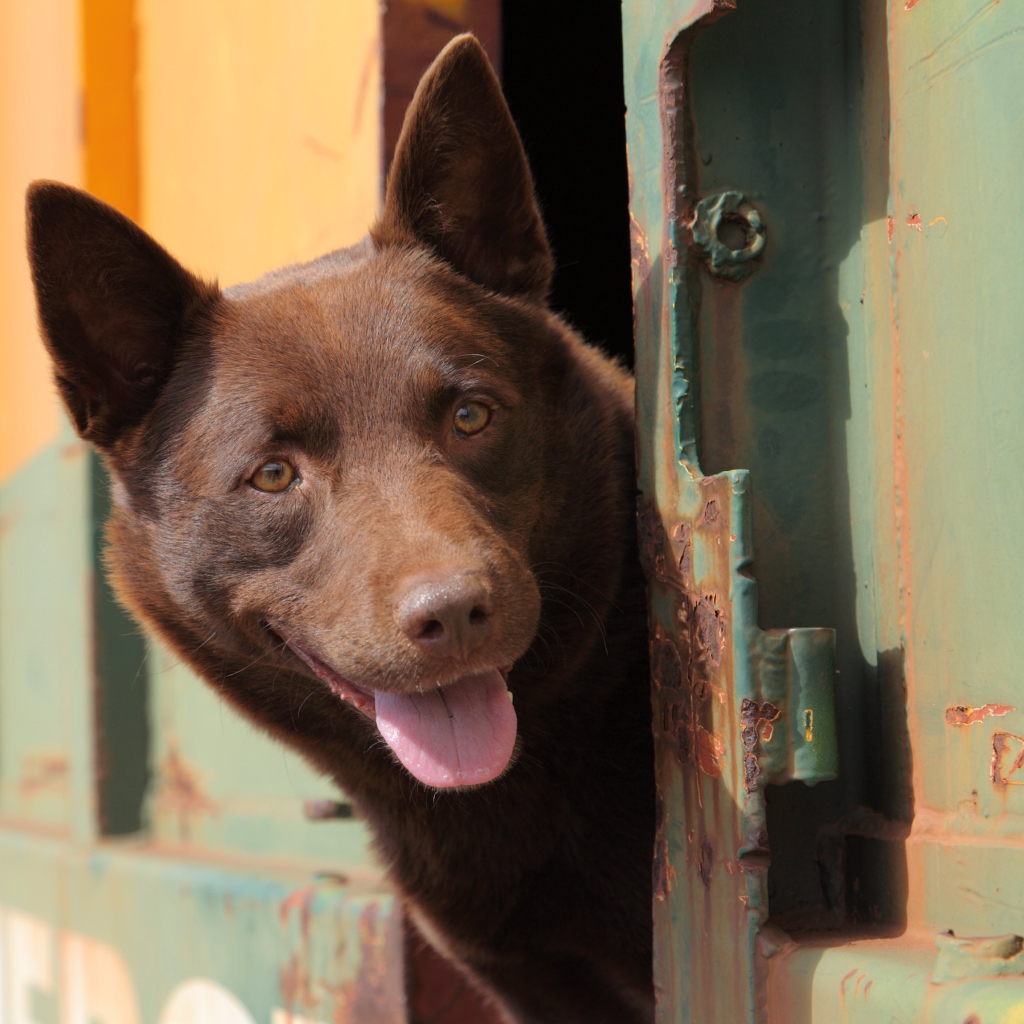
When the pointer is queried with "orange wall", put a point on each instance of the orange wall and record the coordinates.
(260, 133)
(243, 134)
(39, 138)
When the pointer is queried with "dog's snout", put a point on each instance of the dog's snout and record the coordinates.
(447, 616)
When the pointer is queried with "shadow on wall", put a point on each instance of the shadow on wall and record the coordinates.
(790, 107)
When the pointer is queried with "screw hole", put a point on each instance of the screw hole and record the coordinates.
(735, 232)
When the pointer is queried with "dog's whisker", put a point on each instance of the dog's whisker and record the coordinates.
(298, 714)
(245, 668)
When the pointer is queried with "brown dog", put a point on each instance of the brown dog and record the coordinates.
(391, 488)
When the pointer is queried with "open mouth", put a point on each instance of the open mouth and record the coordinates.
(462, 734)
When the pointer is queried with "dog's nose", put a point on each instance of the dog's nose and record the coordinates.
(446, 616)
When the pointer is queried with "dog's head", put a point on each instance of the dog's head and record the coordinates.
(335, 482)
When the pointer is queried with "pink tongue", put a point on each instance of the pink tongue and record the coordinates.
(462, 735)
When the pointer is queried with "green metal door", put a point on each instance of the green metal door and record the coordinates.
(826, 203)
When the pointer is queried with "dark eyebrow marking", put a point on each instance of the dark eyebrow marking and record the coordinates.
(310, 429)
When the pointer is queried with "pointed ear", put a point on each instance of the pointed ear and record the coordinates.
(460, 183)
(113, 306)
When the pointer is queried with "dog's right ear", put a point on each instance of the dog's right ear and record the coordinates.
(113, 306)
(460, 184)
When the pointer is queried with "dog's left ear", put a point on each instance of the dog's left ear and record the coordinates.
(460, 183)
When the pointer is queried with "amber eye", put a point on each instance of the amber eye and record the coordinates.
(471, 418)
(274, 476)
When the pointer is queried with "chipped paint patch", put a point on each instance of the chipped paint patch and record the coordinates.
(710, 751)
(962, 714)
(1007, 759)
(180, 793)
(753, 716)
(44, 772)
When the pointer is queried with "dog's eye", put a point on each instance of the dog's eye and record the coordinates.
(274, 476)
(471, 418)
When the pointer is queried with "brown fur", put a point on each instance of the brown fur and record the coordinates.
(537, 884)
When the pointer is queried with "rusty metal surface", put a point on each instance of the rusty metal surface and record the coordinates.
(128, 935)
(729, 713)
(863, 365)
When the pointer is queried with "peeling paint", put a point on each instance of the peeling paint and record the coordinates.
(962, 714)
(43, 773)
(1006, 747)
(180, 793)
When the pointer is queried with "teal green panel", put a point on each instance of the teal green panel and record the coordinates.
(869, 981)
(46, 758)
(957, 150)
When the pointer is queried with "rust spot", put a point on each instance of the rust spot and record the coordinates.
(710, 629)
(710, 512)
(43, 773)
(914, 221)
(961, 714)
(910, 5)
(1007, 747)
(751, 772)
(676, 717)
(753, 715)
(639, 254)
(651, 537)
(664, 873)
(706, 861)
(666, 665)
(867, 988)
(684, 539)
(750, 715)
(848, 976)
(371, 996)
(180, 792)
(296, 983)
(889, 225)
(709, 752)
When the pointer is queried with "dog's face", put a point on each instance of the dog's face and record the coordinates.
(344, 471)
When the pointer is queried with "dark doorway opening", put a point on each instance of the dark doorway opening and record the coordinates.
(562, 74)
